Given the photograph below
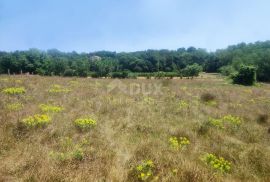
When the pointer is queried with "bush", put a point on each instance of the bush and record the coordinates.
(227, 70)
(245, 76)
(98, 75)
(191, 70)
(69, 72)
(160, 74)
(82, 73)
(122, 74)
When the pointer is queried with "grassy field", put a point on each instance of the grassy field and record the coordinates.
(151, 130)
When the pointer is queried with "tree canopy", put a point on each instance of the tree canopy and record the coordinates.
(104, 63)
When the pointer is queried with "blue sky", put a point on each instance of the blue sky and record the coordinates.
(130, 25)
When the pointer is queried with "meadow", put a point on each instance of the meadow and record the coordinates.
(84, 129)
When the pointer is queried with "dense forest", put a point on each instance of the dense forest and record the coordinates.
(105, 63)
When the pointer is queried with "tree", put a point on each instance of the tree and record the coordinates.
(69, 72)
(227, 70)
(245, 76)
(191, 70)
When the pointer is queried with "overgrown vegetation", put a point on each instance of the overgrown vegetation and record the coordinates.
(93, 133)
(245, 76)
(156, 63)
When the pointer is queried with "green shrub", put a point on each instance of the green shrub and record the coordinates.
(219, 164)
(78, 154)
(85, 123)
(191, 70)
(122, 74)
(245, 76)
(82, 73)
(227, 70)
(69, 72)
(160, 74)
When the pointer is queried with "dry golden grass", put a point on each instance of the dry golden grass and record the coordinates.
(132, 128)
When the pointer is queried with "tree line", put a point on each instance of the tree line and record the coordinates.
(180, 62)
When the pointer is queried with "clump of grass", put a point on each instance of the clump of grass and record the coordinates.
(217, 163)
(183, 104)
(262, 118)
(216, 122)
(148, 100)
(4, 80)
(77, 154)
(18, 81)
(73, 82)
(38, 120)
(58, 89)
(234, 120)
(70, 150)
(207, 97)
(230, 120)
(85, 123)
(178, 143)
(14, 90)
(14, 106)
(145, 170)
(50, 108)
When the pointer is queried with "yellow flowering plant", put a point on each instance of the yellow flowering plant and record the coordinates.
(227, 120)
(37, 120)
(235, 120)
(217, 163)
(145, 170)
(178, 143)
(216, 122)
(50, 108)
(85, 123)
(14, 90)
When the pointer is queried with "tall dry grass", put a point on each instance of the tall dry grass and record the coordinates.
(132, 128)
